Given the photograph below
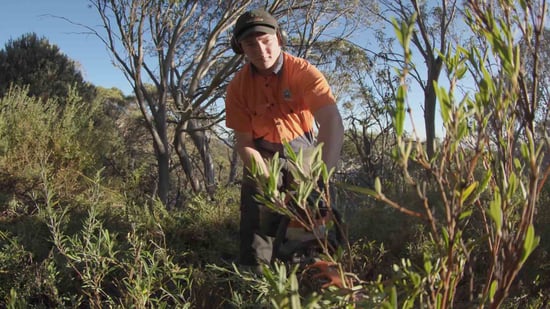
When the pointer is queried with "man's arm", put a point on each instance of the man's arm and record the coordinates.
(247, 151)
(331, 133)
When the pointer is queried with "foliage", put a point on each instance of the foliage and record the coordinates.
(73, 143)
(306, 198)
(33, 61)
(89, 264)
(206, 228)
(175, 87)
(138, 272)
(79, 226)
(14, 256)
(35, 134)
(430, 37)
(276, 286)
(487, 172)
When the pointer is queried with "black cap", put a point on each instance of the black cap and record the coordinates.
(254, 21)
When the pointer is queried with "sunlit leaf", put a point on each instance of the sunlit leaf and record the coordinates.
(428, 266)
(465, 214)
(466, 192)
(495, 212)
(377, 185)
(445, 235)
(444, 103)
(399, 117)
(492, 290)
(357, 189)
(485, 181)
(530, 243)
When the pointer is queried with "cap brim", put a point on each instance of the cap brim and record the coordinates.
(258, 28)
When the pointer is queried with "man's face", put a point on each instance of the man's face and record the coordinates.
(262, 50)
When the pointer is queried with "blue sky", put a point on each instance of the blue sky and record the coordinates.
(18, 17)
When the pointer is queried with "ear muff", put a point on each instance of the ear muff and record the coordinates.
(236, 47)
(283, 37)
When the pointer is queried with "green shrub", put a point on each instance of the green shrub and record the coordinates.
(42, 140)
(481, 194)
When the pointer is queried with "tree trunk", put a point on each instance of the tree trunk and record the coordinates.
(158, 128)
(429, 119)
(202, 143)
(163, 161)
(183, 156)
(429, 104)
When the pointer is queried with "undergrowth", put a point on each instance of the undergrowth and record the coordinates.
(471, 234)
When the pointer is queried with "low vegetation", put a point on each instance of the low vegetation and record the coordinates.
(80, 224)
(72, 237)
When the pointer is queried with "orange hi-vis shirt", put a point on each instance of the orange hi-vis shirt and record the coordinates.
(277, 108)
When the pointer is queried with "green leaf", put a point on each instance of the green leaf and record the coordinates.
(294, 296)
(428, 267)
(445, 235)
(439, 300)
(524, 150)
(523, 4)
(465, 214)
(399, 118)
(463, 129)
(397, 29)
(492, 290)
(485, 181)
(358, 189)
(289, 152)
(461, 71)
(393, 296)
(466, 192)
(444, 103)
(530, 243)
(495, 212)
(377, 185)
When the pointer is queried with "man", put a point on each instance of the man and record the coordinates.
(275, 98)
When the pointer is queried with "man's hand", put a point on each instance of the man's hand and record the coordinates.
(248, 153)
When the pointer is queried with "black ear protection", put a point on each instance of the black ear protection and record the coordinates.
(281, 35)
(235, 46)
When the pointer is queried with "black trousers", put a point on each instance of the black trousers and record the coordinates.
(258, 228)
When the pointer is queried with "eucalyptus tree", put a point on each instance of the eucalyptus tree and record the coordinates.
(369, 118)
(434, 23)
(182, 49)
(535, 67)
